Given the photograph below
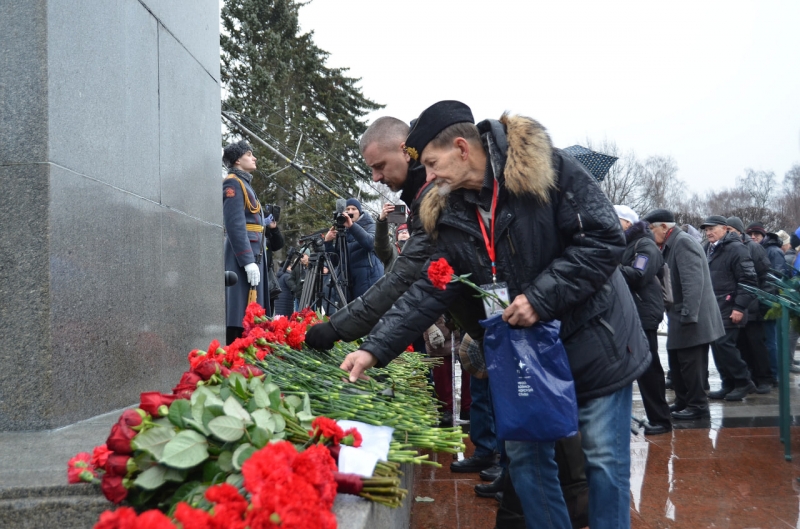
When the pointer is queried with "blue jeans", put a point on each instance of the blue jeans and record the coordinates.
(481, 418)
(606, 442)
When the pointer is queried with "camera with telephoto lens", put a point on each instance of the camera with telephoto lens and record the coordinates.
(339, 219)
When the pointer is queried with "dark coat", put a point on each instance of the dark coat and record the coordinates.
(777, 258)
(242, 247)
(791, 257)
(284, 305)
(641, 263)
(730, 267)
(364, 267)
(762, 266)
(694, 317)
(296, 279)
(359, 317)
(385, 248)
(558, 242)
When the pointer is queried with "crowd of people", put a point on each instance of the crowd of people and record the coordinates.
(499, 202)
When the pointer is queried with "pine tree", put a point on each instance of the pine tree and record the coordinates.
(276, 78)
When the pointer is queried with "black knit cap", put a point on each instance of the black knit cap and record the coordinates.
(659, 215)
(714, 220)
(434, 120)
(756, 227)
(794, 240)
(736, 223)
(234, 151)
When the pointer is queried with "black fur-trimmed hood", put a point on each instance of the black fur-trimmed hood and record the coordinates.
(638, 230)
(528, 167)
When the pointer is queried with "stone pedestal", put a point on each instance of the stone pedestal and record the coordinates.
(111, 265)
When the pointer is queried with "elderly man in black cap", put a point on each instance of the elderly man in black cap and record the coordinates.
(752, 341)
(504, 191)
(694, 318)
(249, 236)
(731, 267)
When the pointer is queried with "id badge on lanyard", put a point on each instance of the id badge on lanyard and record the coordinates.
(490, 305)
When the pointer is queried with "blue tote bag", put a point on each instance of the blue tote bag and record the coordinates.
(533, 392)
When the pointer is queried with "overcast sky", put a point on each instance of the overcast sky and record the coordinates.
(714, 84)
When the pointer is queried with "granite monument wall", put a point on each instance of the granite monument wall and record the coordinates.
(111, 264)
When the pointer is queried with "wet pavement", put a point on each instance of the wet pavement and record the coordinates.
(728, 471)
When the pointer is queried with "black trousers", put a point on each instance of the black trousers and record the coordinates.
(752, 344)
(652, 386)
(687, 367)
(732, 369)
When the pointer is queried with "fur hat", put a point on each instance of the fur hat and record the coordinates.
(783, 236)
(624, 212)
(659, 215)
(356, 203)
(434, 120)
(234, 151)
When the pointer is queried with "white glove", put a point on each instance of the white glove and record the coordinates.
(253, 275)
(435, 337)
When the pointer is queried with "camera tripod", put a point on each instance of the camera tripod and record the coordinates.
(315, 294)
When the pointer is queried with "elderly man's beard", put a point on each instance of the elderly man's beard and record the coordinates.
(443, 188)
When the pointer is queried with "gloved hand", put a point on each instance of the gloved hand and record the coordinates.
(321, 336)
(253, 275)
(435, 337)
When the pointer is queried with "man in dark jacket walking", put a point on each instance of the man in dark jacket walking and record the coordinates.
(557, 244)
(752, 342)
(249, 237)
(641, 264)
(694, 319)
(731, 267)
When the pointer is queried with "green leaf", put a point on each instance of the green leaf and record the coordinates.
(186, 450)
(212, 473)
(237, 480)
(179, 409)
(224, 393)
(162, 421)
(278, 436)
(260, 396)
(306, 403)
(176, 475)
(259, 436)
(262, 418)
(242, 454)
(274, 393)
(197, 426)
(280, 422)
(227, 428)
(152, 478)
(293, 402)
(198, 405)
(232, 408)
(153, 440)
(225, 461)
(238, 385)
(304, 416)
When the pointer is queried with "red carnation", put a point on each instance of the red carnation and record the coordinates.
(77, 465)
(352, 438)
(296, 337)
(155, 519)
(124, 517)
(195, 357)
(440, 273)
(113, 489)
(100, 456)
(327, 428)
(119, 440)
(192, 518)
(151, 401)
(117, 464)
(253, 315)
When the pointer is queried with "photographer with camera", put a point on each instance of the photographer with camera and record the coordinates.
(297, 277)
(385, 248)
(363, 266)
(251, 233)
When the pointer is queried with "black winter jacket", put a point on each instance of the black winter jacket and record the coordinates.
(364, 266)
(558, 242)
(730, 267)
(777, 258)
(641, 264)
(359, 317)
(762, 266)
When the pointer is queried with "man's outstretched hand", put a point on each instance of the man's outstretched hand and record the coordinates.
(321, 336)
(357, 362)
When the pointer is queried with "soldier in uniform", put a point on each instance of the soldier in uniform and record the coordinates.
(249, 237)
